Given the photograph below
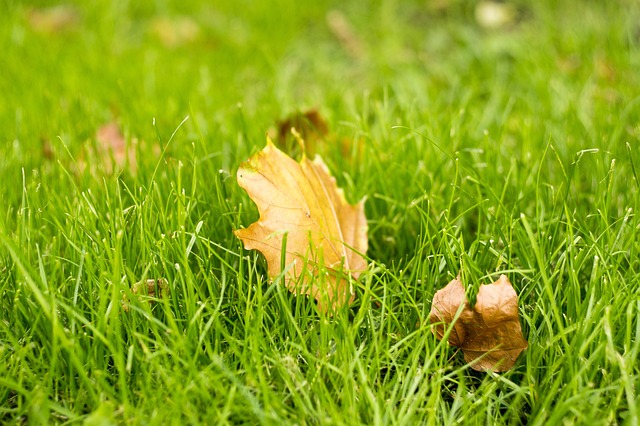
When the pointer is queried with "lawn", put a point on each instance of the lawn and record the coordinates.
(485, 142)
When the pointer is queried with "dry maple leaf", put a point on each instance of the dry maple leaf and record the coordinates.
(112, 154)
(489, 334)
(54, 20)
(343, 31)
(314, 129)
(175, 32)
(111, 143)
(311, 127)
(326, 237)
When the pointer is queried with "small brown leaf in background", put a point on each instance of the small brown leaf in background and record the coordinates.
(175, 32)
(53, 20)
(438, 6)
(311, 127)
(47, 149)
(326, 236)
(342, 30)
(112, 149)
(314, 130)
(489, 335)
(147, 288)
(112, 154)
(605, 69)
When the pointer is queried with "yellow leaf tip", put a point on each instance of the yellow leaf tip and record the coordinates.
(269, 141)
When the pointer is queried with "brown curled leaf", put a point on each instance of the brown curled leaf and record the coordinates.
(113, 151)
(309, 124)
(343, 31)
(313, 128)
(54, 20)
(175, 32)
(489, 334)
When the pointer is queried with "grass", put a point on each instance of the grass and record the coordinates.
(513, 150)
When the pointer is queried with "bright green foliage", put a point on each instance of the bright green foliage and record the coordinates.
(513, 150)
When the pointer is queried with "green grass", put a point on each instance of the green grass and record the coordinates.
(514, 150)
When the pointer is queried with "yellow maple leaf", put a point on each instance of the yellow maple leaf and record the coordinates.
(301, 204)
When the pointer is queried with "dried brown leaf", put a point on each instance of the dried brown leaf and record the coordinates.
(175, 32)
(489, 334)
(314, 130)
(113, 151)
(47, 149)
(326, 236)
(343, 31)
(311, 127)
(54, 20)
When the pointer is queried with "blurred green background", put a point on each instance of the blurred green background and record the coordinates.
(137, 60)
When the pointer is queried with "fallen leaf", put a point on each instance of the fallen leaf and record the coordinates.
(439, 6)
(343, 31)
(112, 153)
(112, 149)
(152, 288)
(605, 69)
(314, 130)
(175, 32)
(53, 20)
(47, 149)
(311, 127)
(326, 237)
(489, 334)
